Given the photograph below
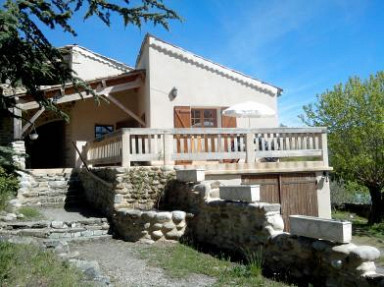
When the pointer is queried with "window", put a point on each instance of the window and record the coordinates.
(102, 130)
(203, 118)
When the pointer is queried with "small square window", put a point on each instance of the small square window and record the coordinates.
(102, 130)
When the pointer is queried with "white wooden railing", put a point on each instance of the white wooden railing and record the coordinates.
(168, 145)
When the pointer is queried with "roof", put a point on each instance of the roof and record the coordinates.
(51, 91)
(96, 56)
(202, 62)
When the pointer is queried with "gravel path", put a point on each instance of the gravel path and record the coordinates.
(119, 260)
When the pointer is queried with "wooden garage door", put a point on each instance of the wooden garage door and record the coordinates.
(296, 192)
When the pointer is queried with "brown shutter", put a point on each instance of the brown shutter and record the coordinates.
(182, 117)
(227, 122)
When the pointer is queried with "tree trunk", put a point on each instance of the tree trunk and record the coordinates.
(377, 207)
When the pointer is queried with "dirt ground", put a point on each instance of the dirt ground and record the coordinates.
(122, 263)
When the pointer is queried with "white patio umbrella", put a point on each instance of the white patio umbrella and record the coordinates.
(249, 110)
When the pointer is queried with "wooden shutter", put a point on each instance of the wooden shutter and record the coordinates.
(182, 117)
(228, 122)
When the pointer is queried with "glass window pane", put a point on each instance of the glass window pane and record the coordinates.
(102, 130)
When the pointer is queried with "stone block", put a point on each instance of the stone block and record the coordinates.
(163, 216)
(178, 216)
(190, 175)
(321, 228)
(168, 226)
(173, 235)
(244, 193)
(365, 253)
(58, 184)
(156, 235)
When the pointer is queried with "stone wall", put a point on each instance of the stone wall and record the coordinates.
(321, 262)
(19, 153)
(130, 197)
(230, 225)
(234, 226)
(149, 226)
(243, 228)
(111, 189)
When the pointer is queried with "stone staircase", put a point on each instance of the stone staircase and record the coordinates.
(51, 188)
(58, 195)
(84, 228)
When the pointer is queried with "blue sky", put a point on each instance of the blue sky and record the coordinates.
(304, 47)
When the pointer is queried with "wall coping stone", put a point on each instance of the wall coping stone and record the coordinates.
(190, 175)
(321, 228)
(243, 193)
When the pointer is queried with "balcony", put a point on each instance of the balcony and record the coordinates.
(259, 149)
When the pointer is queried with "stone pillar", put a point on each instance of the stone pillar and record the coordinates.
(20, 153)
(323, 195)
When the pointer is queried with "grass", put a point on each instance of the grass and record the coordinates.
(27, 265)
(180, 261)
(30, 213)
(364, 234)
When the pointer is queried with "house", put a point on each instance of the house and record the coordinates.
(168, 110)
(169, 88)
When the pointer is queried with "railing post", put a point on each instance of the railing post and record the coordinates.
(249, 147)
(167, 148)
(125, 149)
(324, 147)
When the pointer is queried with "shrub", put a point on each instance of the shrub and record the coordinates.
(8, 187)
(348, 192)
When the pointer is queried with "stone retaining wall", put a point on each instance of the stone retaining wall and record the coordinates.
(244, 228)
(230, 225)
(132, 188)
(20, 153)
(320, 262)
(149, 226)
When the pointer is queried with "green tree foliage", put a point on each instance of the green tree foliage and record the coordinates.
(354, 116)
(28, 59)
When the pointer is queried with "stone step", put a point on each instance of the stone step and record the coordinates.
(72, 234)
(49, 193)
(55, 199)
(83, 228)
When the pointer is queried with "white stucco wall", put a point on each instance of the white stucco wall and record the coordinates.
(89, 66)
(144, 100)
(86, 114)
(198, 84)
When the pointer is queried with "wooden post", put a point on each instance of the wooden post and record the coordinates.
(324, 147)
(250, 148)
(125, 149)
(167, 148)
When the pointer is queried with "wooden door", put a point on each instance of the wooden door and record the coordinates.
(296, 193)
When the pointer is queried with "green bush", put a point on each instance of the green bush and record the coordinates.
(348, 192)
(8, 187)
(6, 159)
